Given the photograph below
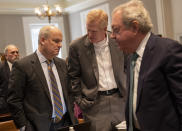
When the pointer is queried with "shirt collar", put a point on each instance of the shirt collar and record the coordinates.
(10, 65)
(41, 57)
(102, 43)
(141, 48)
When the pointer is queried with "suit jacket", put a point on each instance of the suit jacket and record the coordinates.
(159, 95)
(83, 70)
(4, 78)
(29, 98)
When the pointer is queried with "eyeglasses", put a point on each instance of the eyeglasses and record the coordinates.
(116, 30)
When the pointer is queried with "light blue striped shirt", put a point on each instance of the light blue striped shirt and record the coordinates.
(43, 63)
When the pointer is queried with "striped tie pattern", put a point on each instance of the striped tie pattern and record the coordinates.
(132, 66)
(58, 107)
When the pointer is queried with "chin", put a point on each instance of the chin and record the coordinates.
(92, 40)
(56, 54)
(125, 50)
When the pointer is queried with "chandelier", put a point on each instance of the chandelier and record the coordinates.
(46, 11)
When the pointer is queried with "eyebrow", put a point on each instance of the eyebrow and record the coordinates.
(14, 52)
(57, 40)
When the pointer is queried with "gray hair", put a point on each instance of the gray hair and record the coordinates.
(45, 32)
(98, 15)
(135, 10)
(7, 48)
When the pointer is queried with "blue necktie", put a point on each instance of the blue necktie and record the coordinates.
(132, 66)
(58, 107)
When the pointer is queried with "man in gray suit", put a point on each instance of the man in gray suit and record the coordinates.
(33, 83)
(96, 69)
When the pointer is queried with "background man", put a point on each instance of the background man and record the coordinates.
(11, 55)
(38, 87)
(95, 66)
(155, 95)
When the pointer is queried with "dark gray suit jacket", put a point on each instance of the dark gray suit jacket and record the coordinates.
(29, 98)
(83, 70)
(4, 78)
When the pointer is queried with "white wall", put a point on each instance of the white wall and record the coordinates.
(75, 22)
(177, 18)
(11, 32)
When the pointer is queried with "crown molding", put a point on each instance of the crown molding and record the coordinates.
(69, 10)
(14, 11)
(83, 5)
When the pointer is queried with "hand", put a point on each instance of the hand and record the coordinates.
(84, 104)
(22, 128)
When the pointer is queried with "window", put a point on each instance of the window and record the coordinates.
(32, 26)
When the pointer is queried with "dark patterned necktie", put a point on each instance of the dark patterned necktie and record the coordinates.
(58, 107)
(132, 66)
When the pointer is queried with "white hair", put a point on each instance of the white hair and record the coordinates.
(135, 10)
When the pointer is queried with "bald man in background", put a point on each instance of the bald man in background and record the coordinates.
(11, 55)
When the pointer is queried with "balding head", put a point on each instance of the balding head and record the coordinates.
(11, 53)
(50, 38)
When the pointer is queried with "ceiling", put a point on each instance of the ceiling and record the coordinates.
(15, 6)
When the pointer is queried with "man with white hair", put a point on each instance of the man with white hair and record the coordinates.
(11, 53)
(154, 74)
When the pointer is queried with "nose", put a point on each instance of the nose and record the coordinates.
(60, 45)
(113, 36)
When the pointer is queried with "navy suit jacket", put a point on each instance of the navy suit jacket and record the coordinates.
(159, 95)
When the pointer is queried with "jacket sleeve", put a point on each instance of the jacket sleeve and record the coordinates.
(173, 73)
(3, 86)
(16, 95)
(74, 73)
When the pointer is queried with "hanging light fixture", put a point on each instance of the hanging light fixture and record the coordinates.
(46, 11)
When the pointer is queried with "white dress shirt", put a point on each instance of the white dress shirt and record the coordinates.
(139, 51)
(10, 65)
(103, 56)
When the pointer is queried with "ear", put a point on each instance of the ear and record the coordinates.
(105, 29)
(42, 41)
(135, 26)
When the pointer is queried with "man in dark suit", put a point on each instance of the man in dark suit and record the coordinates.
(38, 87)
(96, 69)
(155, 93)
(11, 53)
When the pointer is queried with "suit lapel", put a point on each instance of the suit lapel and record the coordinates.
(116, 63)
(7, 70)
(145, 64)
(60, 72)
(92, 58)
(39, 71)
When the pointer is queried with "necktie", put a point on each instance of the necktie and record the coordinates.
(132, 65)
(58, 107)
